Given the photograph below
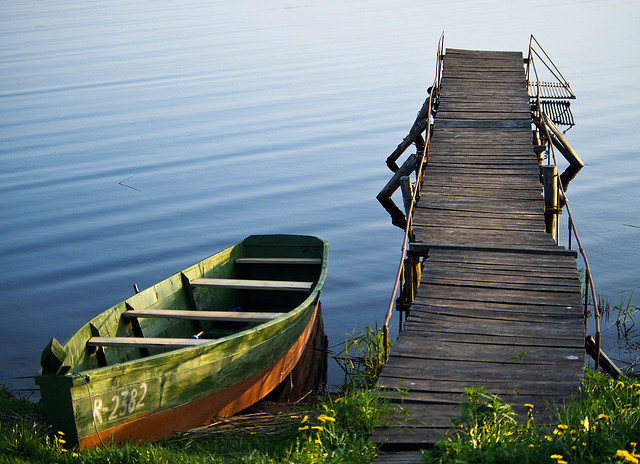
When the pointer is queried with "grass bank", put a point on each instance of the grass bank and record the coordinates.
(601, 426)
(334, 430)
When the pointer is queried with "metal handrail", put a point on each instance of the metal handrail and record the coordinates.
(425, 153)
(534, 45)
(572, 229)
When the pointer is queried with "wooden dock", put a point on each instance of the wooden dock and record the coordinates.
(499, 303)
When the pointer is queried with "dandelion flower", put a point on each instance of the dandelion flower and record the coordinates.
(304, 419)
(626, 456)
(528, 406)
(317, 427)
(325, 418)
(563, 426)
(303, 428)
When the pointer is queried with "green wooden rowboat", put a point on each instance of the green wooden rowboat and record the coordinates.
(208, 341)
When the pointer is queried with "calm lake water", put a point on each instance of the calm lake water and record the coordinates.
(137, 138)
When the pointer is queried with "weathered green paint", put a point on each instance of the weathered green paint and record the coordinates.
(89, 397)
(53, 357)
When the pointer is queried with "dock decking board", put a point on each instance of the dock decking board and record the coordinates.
(494, 285)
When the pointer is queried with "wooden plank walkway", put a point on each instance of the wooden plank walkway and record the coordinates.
(494, 285)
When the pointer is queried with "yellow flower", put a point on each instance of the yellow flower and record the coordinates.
(563, 427)
(304, 419)
(325, 418)
(60, 432)
(528, 406)
(339, 400)
(301, 429)
(61, 441)
(603, 416)
(548, 438)
(619, 385)
(556, 456)
(317, 427)
(74, 454)
(626, 456)
(562, 461)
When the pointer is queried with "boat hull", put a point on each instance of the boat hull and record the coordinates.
(150, 395)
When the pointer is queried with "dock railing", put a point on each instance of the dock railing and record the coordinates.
(536, 50)
(435, 88)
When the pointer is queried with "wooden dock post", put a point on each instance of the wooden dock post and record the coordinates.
(407, 194)
(550, 180)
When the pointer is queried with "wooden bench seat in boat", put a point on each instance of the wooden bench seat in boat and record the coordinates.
(143, 342)
(278, 261)
(242, 284)
(202, 315)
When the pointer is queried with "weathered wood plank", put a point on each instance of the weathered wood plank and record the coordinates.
(487, 353)
(407, 457)
(477, 373)
(240, 284)
(528, 313)
(496, 327)
(522, 297)
(202, 315)
(278, 261)
(512, 340)
(496, 386)
(137, 342)
(524, 257)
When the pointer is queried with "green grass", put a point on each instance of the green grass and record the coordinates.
(363, 357)
(602, 426)
(334, 430)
